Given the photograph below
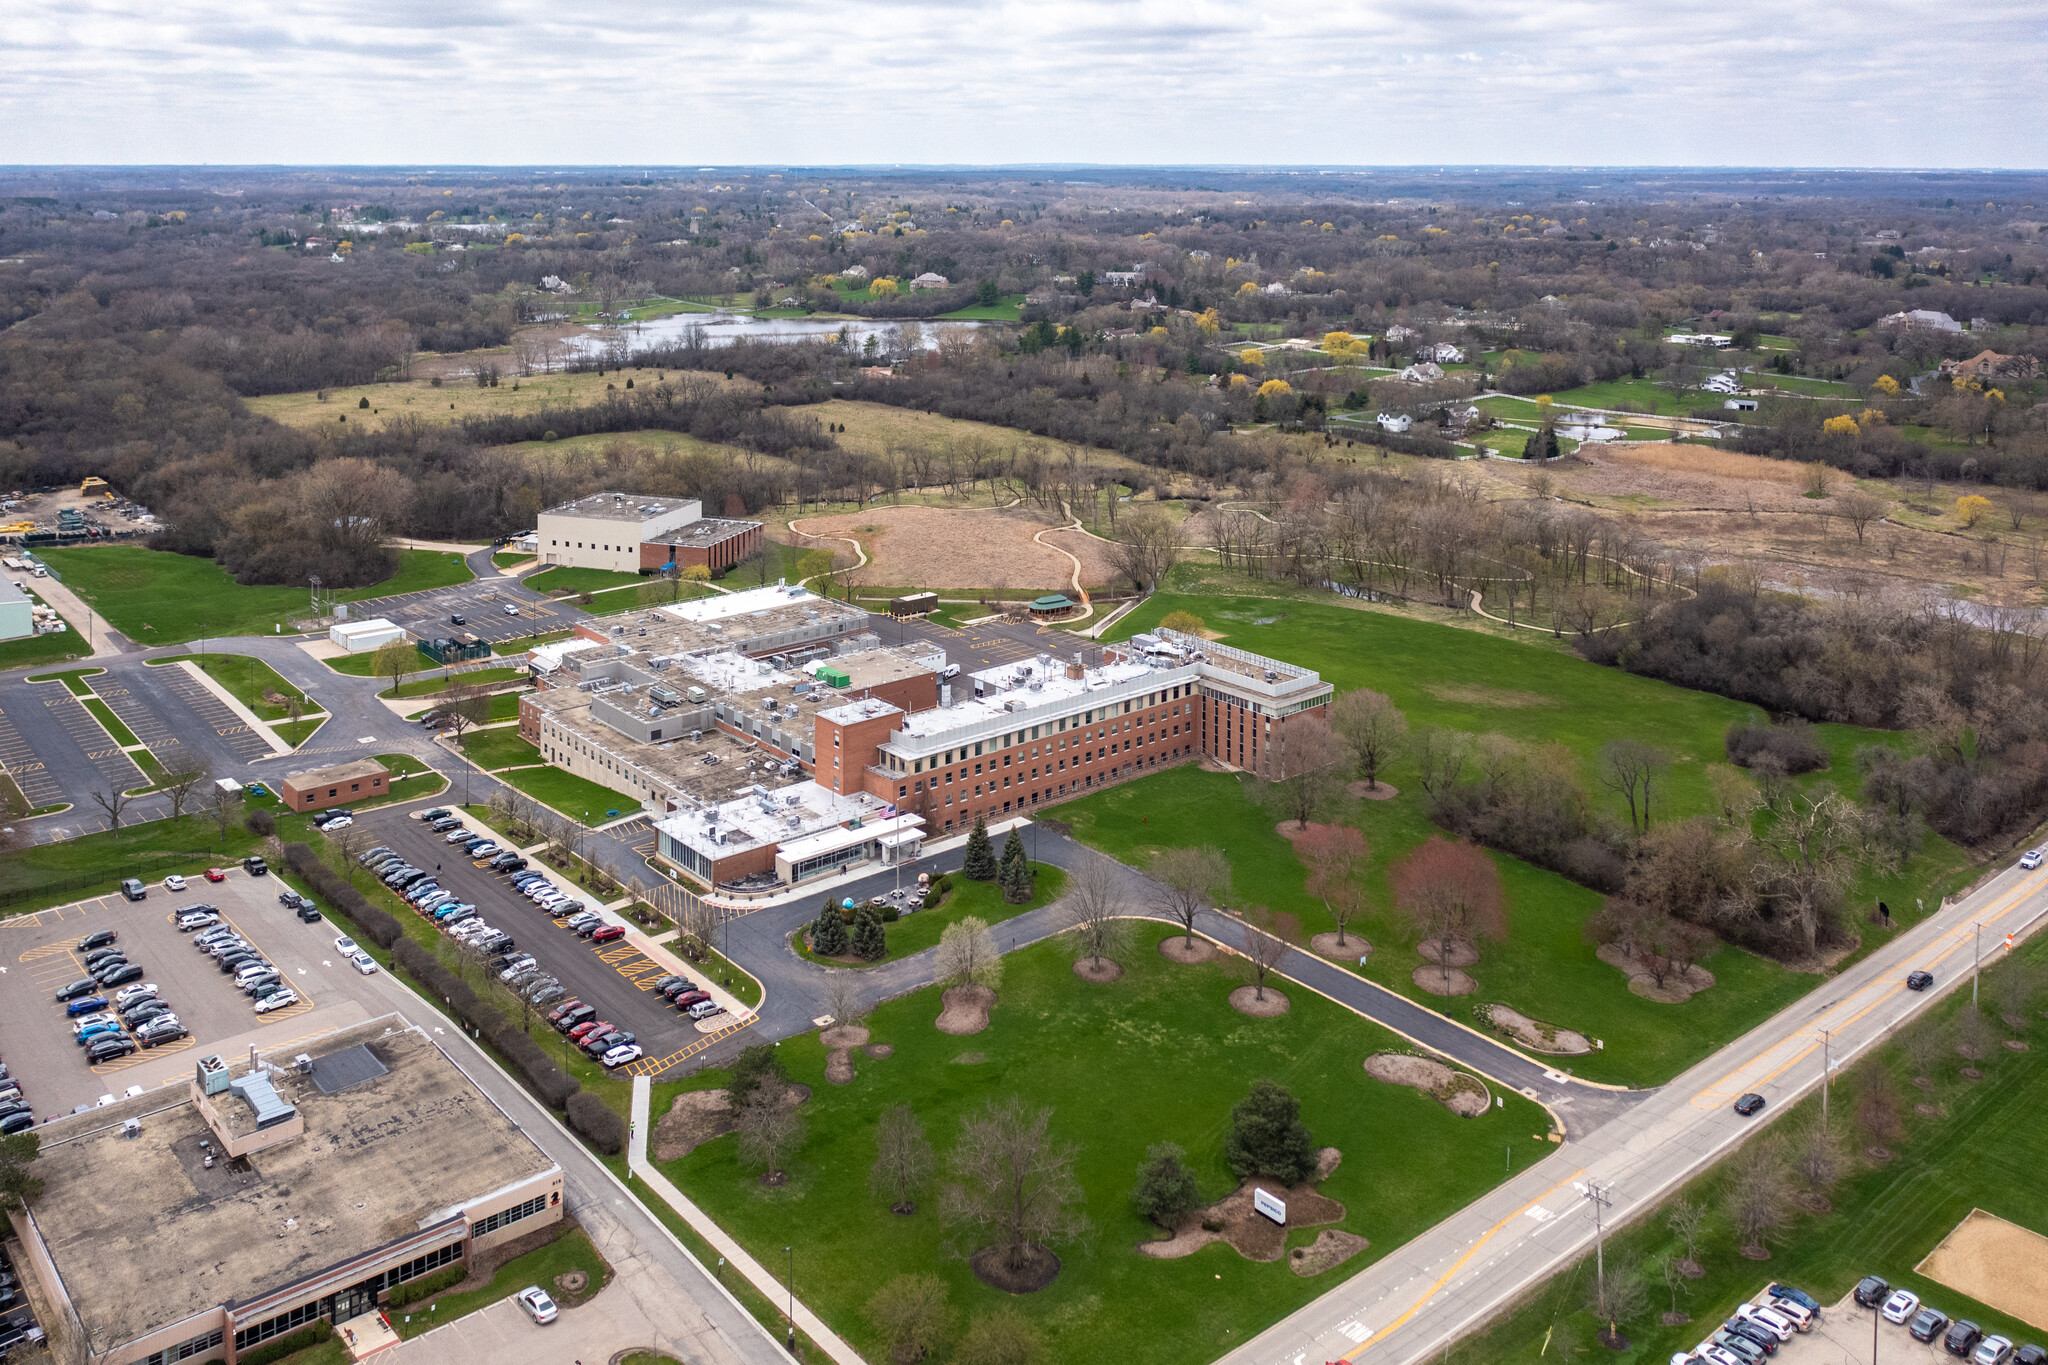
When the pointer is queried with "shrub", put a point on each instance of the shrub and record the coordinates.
(1267, 1136)
(756, 1066)
(1793, 745)
(426, 1286)
(599, 1124)
(312, 1334)
(260, 821)
(1166, 1191)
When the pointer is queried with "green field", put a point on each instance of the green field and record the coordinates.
(95, 864)
(1474, 682)
(1157, 1056)
(498, 749)
(74, 680)
(573, 796)
(157, 598)
(110, 722)
(1005, 309)
(921, 929)
(248, 679)
(509, 559)
(434, 687)
(564, 579)
(56, 647)
(297, 732)
(1980, 1150)
(358, 665)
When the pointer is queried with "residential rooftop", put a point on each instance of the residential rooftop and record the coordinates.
(146, 1235)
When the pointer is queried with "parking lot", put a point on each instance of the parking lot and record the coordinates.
(613, 977)
(482, 602)
(38, 955)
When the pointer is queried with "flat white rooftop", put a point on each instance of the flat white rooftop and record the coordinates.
(856, 711)
(728, 605)
(548, 658)
(732, 672)
(1016, 694)
(785, 813)
(832, 840)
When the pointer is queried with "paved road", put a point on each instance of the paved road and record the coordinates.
(1409, 1305)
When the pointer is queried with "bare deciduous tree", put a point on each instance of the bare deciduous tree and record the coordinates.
(1756, 1196)
(1806, 856)
(1190, 880)
(1630, 768)
(1860, 509)
(903, 1158)
(1441, 755)
(1335, 856)
(1262, 952)
(770, 1131)
(1013, 1183)
(1451, 895)
(1684, 1220)
(113, 801)
(1095, 902)
(1305, 766)
(1146, 546)
(1374, 728)
(911, 1316)
(179, 786)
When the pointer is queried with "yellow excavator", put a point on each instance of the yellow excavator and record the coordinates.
(95, 484)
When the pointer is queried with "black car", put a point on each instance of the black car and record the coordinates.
(677, 987)
(142, 1014)
(17, 1123)
(158, 1033)
(99, 955)
(109, 1049)
(85, 985)
(309, 914)
(1872, 1290)
(2030, 1354)
(1749, 1104)
(458, 619)
(255, 866)
(1754, 1331)
(1927, 1324)
(96, 940)
(1738, 1346)
(1919, 981)
(122, 975)
(1962, 1338)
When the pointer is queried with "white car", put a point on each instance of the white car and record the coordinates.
(620, 1055)
(456, 836)
(365, 964)
(174, 882)
(1992, 1351)
(1776, 1323)
(141, 990)
(338, 822)
(2031, 859)
(1901, 1306)
(346, 946)
(276, 1002)
(537, 1304)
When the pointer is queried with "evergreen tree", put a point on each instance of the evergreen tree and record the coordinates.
(828, 932)
(1166, 1191)
(1015, 874)
(870, 940)
(1267, 1136)
(980, 865)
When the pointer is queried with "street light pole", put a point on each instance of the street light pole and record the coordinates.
(1976, 958)
(790, 1251)
(1825, 1073)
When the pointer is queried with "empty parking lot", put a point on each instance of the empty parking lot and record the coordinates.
(38, 955)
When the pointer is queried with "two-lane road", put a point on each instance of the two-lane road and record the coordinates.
(1452, 1278)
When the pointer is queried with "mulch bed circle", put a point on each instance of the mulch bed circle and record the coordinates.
(991, 1266)
(1350, 950)
(1245, 1000)
(880, 1050)
(1756, 1253)
(1971, 1073)
(1813, 1203)
(1443, 980)
(1925, 1083)
(2015, 1045)
(965, 1009)
(1692, 1270)
(1675, 1319)
(1377, 791)
(572, 1281)
(1927, 1110)
(1878, 1154)
(1459, 953)
(1176, 949)
(1100, 973)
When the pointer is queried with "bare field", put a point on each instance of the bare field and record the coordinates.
(912, 547)
(418, 398)
(878, 429)
(1997, 1263)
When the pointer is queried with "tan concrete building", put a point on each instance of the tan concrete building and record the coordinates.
(273, 1193)
(606, 530)
(319, 788)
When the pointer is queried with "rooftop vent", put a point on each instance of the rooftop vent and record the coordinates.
(263, 1099)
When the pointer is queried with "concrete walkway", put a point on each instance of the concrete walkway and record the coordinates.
(735, 1255)
(260, 728)
(105, 643)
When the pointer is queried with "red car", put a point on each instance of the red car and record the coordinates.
(214, 874)
(689, 998)
(611, 933)
(582, 1031)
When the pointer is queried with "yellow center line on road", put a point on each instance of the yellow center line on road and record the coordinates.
(1857, 1005)
(1455, 1267)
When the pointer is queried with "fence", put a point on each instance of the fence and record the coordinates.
(139, 868)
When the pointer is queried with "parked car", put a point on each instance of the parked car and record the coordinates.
(110, 1049)
(1739, 1346)
(533, 1298)
(1749, 1104)
(684, 999)
(620, 1055)
(1903, 1304)
(597, 1044)
(200, 919)
(437, 813)
(579, 1014)
(174, 882)
(1872, 1290)
(364, 963)
(556, 1014)
(547, 994)
(338, 822)
(1992, 1351)
(1753, 1332)
(1962, 1337)
(127, 971)
(85, 1004)
(610, 933)
(1919, 981)
(157, 1032)
(677, 988)
(459, 835)
(17, 1123)
(92, 1033)
(253, 987)
(1928, 1324)
(131, 994)
(309, 913)
(148, 1014)
(134, 890)
(98, 939)
(2030, 1354)
(704, 1009)
(1773, 1321)
(214, 874)
(255, 866)
(270, 988)
(276, 1002)
(582, 1031)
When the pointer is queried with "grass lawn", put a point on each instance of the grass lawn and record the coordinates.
(498, 749)
(526, 642)
(95, 864)
(297, 732)
(434, 687)
(1532, 692)
(914, 933)
(74, 680)
(110, 722)
(1799, 383)
(507, 559)
(56, 647)
(503, 706)
(878, 429)
(438, 404)
(1642, 394)
(1005, 309)
(157, 598)
(571, 1251)
(1180, 1057)
(573, 796)
(358, 665)
(562, 578)
(1982, 1150)
(1507, 441)
(248, 679)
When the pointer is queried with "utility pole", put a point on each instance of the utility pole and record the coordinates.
(790, 1251)
(1597, 1196)
(1976, 958)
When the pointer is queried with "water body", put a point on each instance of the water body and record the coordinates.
(724, 328)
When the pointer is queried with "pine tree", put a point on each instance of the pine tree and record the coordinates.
(980, 865)
(1015, 874)
(1267, 1136)
(870, 940)
(828, 933)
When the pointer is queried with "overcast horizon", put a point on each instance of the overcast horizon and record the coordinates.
(1907, 85)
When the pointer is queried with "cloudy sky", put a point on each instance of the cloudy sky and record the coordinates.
(724, 82)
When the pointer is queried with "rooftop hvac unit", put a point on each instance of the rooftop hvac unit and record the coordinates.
(696, 734)
(1271, 676)
(131, 1128)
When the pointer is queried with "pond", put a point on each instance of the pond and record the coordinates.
(725, 327)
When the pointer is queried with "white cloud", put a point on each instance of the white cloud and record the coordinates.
(1903, 82)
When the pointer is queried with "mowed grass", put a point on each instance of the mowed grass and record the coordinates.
(157, 598)
(591, 447)
(1157, 1056)
(562, 578)
(94, 864)
(922, 929)
(879, 429)
(570, 1251)
(1478, 683)
(453, 400)
(248, 679)
(490, 749)
(1005, 309)
(1980, 1150)
(56, 647)
(578, 798)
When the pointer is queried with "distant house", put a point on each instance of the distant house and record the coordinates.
(1462, 417)
(1442, 352)
(929, 280)
(1198, 255)
(1990, 365)
(1740, 404)
(1725, 382)
(1123, 279)
(1713, 341)
(1276, 289)
(877, 372)
(555, 284)
(1921, 317)
(854, 272)
(1423, 372)
(1399, 333)
(1396, 422)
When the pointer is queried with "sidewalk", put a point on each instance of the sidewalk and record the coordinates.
(73, 609)
(261, 728)
(736, 1255)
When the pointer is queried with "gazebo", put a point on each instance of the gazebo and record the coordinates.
(1051, 607)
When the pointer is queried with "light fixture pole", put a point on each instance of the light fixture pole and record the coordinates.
(1976, 958)
(790, 1251)
(1826, 1074)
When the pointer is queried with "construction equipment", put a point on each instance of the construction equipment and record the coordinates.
(95, 484)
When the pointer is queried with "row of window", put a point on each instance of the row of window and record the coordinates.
(1071, 788)
(490, 1224)
(1060, 764)
(184, 1350)
(293, 1319)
